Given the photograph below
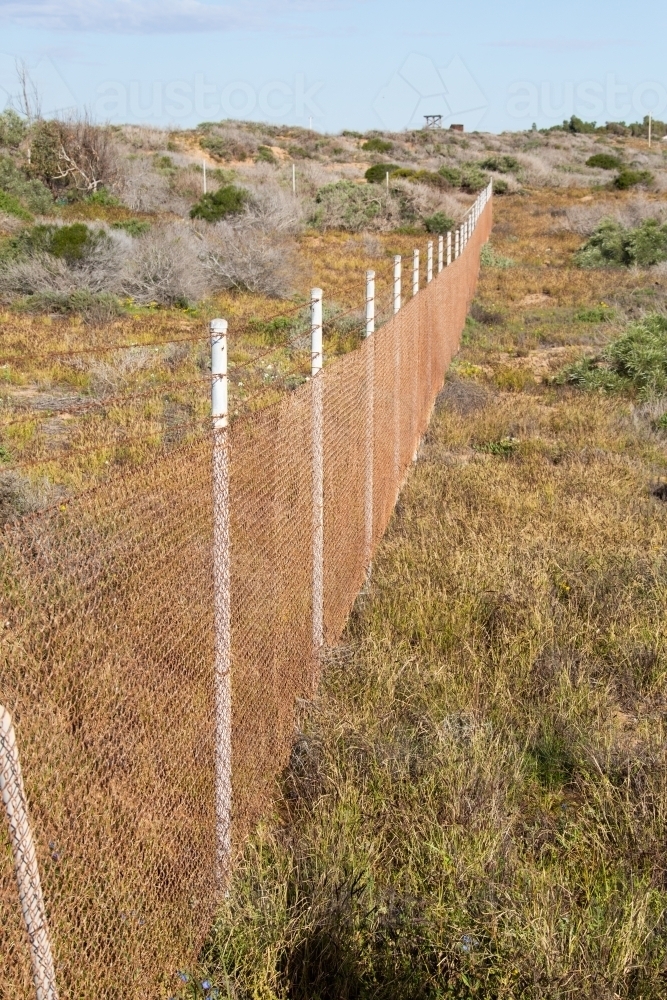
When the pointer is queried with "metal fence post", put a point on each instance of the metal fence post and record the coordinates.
(415, 272)
(317, 361)
(449, 247)
(429, 262)
(441, 253)
(221, 599)
(397, 283)
(370, 418)
(25, 862)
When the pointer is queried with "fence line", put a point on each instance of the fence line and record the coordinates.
(159, 630)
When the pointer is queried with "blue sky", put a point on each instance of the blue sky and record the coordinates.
(361, 65)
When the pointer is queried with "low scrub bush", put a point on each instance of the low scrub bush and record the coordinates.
(227, 200)
(34, 196)
(266, 155)
(377, 174)
(632, 178)
(165, 267)
(604, 161)
(12, 206)
(377, 145)
(636, 362)
(489, 258)
(500, 186)
(344, 205)
(501, 164)
(468, 177)
(612, 245)
(438, 223)
(245, 255)
(133, 227)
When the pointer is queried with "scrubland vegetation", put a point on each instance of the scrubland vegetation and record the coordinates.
(477, 800)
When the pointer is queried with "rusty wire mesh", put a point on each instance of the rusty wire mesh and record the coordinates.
(108, 649)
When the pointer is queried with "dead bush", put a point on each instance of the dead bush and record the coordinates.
(165, 266)
(73, 154)
(247, 255)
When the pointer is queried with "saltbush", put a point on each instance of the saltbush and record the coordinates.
(32, 194)
(377, 145)
(345, 205)
(604, 161)
(635, 362)
(12, 206)
(469, 177)
(227, 200)
(612, 245)
(377, 174)
(501, 164)
(438, 223)
(631, 178)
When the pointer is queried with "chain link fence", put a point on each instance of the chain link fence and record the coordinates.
(110, 604)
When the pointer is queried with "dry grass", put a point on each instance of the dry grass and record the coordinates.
(477, 801)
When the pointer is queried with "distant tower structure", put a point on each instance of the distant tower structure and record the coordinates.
(433, 121)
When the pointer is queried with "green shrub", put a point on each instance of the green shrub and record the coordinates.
(227, 200)
(377, 174)
(489, 258)
(611, 245)
(439, 223)
(345, 205)
(377, 145)
(266, 155)
(468, 177)
(13, 129)
(604, 161)
(162, 162)
(223, 148)
(577, 126)
(631, 178)
(451, 174)
(594, 314)
(473, 179)
(73, 244)
(12, 206)
(133, 227)
(500, 186)
(103, 197)
(636, 362)
(299, 153)
(32, 194)
(501, 164)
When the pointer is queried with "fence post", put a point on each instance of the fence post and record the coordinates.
(221, 600)
(457, 243)
(397, 283)
(25, 862)
(415, 272)
(317, 361)
(449, 247)
(429, 262)
(370, 418)
(441, 253)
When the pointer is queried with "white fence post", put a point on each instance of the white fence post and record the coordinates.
(415, 272)
(449, 247)
(370, 418)
(429, 262)
(397, 283)
(457, 243)
(441, 253)
(221, 600)
(317, 361)
(25, 862)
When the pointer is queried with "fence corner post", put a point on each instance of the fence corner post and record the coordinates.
(221, 600)
(25, 862)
